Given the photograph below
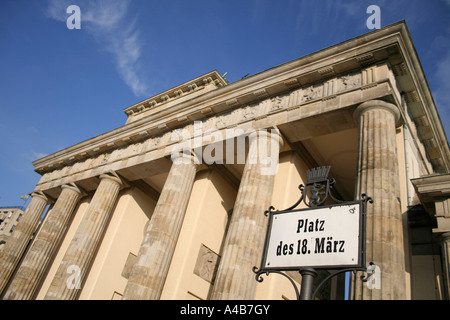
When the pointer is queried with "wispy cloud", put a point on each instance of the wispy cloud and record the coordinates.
(109, 22)
(37, 155)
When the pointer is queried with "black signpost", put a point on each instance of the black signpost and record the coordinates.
(322, 236)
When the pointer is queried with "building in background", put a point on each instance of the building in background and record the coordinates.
(9, 217)
(171, 205)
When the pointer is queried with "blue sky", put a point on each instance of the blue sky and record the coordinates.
(59, 87)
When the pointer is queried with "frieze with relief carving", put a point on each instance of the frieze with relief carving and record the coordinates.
(239, 114)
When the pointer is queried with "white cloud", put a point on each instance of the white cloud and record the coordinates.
(57, 9)
(109, 23)
(37, 155)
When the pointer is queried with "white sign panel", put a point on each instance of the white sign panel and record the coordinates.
(321, 237)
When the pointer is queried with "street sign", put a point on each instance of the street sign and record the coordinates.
(326, 237)
(322, 236)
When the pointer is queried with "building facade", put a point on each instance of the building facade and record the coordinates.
(171, 205)
(9, 218)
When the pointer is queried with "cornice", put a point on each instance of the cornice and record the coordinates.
(433, 185)
(421, 105)
(431, 189)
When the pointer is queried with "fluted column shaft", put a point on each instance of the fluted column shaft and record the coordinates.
(445, 244)
(14, 248)
(378, 177)
(73, 270)
(149, 273)
(38, 257)
(244, 241)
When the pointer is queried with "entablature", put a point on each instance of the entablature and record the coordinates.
(375, 65)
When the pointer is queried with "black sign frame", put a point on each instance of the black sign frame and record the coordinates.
(360, 263)
(315, 194)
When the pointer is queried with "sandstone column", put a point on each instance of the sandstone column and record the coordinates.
(38, 257)
(244, 241)
(149, 273)
(445, 244)
(14, 248)
(378, 177)
(73, 270)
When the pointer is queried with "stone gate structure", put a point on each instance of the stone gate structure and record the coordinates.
(170, 205)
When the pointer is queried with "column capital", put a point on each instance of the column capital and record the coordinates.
(271, 133)
(376, 104)
(40, 194)
(264, 149)
(445, 236)
(72, 186)
(111, 175)
(277, 132)
(187, 158)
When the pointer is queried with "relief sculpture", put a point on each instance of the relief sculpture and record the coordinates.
(206, 264)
